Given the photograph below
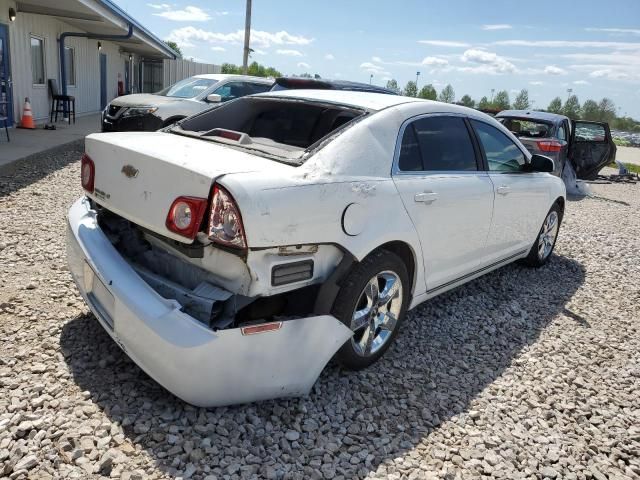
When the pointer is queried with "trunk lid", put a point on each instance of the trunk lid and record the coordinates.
(139, 174)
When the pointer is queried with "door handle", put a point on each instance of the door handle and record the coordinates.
(426, 197)
(503, 190)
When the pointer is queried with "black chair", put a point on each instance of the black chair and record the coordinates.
(65, 104)
(4, 118)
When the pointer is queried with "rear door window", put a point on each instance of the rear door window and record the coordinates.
(502, 154)
(437, 143)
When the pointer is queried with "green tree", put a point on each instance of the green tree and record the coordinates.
(393, 85)
(428, 92)
(591, 111)
(174, 46)
(522, 100)
(501, 101)
(467, 101)
(555, 106)
(410, 90)
(572, 108)
(447, 95)
(607, 110)
(484, 103)
(254, 69)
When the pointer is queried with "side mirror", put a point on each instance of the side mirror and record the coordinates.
(540, 163)
(214, 98)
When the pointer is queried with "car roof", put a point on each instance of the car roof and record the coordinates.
(534, 114)
(364, 100)
(328, 84)
(226, 76)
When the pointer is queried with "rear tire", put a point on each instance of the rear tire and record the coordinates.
(372, 302)
(546, 240)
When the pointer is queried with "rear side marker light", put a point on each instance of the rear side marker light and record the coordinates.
(185, 216)
(87, 173)
(291, 272)
(265, 327)
(549, 146)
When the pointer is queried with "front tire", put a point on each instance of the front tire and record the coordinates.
(546, 240)
(372, 303)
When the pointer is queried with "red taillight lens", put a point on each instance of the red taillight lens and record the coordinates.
(225, 222)
(185, 216)
(549, 146)
(87, 173)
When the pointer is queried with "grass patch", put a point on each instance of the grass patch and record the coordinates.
(630, 166)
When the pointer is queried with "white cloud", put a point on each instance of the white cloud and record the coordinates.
(444, 43)
(329, 56)
(615, 31)
(486, 62)
(536, 83)
(498, 26)
(289, 52)
(609, 74)
(159, 6)
(435, 62)
(376, 59)
(185, 36)
(218, 49)
(581, 82)
(567, 44)
(189, 14)
(303, 65)
(375, 69)
(553, 70)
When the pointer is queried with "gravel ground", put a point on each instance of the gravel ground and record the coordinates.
(520, 374)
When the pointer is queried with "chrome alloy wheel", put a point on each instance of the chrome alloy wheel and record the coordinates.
(376, 313)
(548, 235)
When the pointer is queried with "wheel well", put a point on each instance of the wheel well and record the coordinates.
(171, 120)
(560, 202)
(405, 252)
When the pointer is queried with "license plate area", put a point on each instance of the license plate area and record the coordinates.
(100, 298)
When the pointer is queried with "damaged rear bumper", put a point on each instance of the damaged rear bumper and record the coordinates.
(202, 367)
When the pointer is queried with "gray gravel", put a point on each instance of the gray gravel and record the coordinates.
(520, 374)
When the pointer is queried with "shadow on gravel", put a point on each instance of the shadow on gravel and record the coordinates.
(33, 168)
(449, 349)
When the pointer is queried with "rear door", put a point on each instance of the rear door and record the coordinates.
(521, 197)
(447, 196)
(591, 148)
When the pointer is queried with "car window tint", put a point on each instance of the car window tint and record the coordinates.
(590, 132)
(233, 90)
(410, 159)
(562, 133)
(258, 87)
(445, 144)
(502, 154)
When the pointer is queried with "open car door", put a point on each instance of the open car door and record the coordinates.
(591, 148)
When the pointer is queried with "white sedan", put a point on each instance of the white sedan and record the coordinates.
(234, 255)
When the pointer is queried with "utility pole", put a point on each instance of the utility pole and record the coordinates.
(569, 92)
(417, 75)
(492, 92)
(247, 36)
(370, 78)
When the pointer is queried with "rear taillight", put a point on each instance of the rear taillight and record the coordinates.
(225, 222)
(549, 145)
(87, 173)
(185, 216)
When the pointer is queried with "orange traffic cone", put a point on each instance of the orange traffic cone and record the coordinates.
(27, 117)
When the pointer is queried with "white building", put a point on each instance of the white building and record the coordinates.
(97, 53)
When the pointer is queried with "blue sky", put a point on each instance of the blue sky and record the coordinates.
(544, 46)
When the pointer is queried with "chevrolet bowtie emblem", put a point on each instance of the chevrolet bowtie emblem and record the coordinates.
(130, 171)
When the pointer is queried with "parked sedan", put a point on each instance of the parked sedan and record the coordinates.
(233, 255)
(152, 111)
(588, 146)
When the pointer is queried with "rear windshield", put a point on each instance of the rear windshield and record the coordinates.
(528, 128)
(274, 126)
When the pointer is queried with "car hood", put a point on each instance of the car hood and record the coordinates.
(145, 99)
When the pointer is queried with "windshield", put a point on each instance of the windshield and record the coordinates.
(188, 88)
(529, 128)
